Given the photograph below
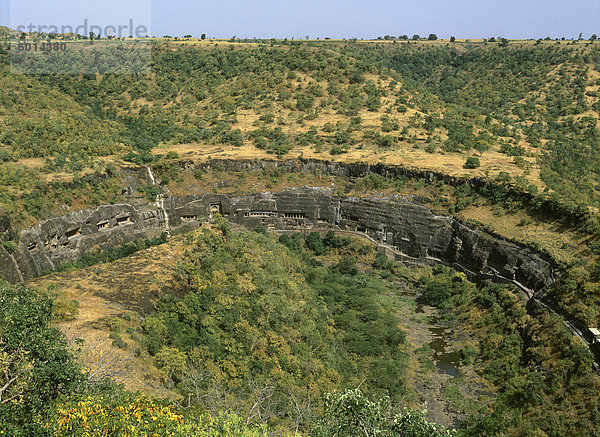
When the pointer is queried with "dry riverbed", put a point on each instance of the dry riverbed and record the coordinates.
(443, 382)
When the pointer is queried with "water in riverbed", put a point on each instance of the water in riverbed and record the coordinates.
(445, 362)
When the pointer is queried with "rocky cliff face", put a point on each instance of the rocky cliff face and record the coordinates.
(51, 243)
(546, 206)
(403, 227)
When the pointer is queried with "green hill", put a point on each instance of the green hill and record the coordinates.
(528, 111)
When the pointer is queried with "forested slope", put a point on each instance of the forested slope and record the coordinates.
(527, 112)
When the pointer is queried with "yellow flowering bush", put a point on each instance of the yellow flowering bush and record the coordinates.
(138, 416)
(133, 416)
(223, 425)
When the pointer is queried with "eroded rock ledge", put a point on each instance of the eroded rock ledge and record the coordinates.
(400, 226)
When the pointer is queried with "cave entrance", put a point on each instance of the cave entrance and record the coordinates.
(215, 208)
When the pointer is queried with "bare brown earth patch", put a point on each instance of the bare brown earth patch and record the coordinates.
(115, 298)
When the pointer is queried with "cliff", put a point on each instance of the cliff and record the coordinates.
(401, 226)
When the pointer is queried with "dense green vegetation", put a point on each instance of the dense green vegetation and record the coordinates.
(532, 359)
(248, 318)
(535, 362)
(249, 328)
(265, 331)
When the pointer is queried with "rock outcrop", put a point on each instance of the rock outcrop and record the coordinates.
(404, 227)
(53, 242)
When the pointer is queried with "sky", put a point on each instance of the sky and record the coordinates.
(316, 18)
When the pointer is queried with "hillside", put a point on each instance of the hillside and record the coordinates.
(527, 111)
(256, 332)
(239, 313)
(227, 319)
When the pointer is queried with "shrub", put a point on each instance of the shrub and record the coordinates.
(445, 284)
(347, 266)
(503, 177)
(365, 249)
(9, 246)
(120, 343)
(291, 242)
(381, 261)
(261, 230)
(468, 354)
(5, 156)
(315, 243)
(337, 150)
(472, 162)
(129, 415)
(430, 148)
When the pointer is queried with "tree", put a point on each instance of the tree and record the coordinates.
(416, 37)
(352, 414)
(347, 266)
(472, 162)
(15, 376)
(381, 261)
(503, 42)
(315, 243)
(293, 242)
(222, 224)
(35, 360)
(101, 361)
(171, 361)
(594, 37)
(403, 37)
(481, 146)
(452, 39)
(203, 36)
(432, 37)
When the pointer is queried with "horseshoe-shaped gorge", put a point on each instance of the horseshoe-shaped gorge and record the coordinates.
(401, 227)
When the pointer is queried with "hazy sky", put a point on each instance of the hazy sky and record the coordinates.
(320, 18)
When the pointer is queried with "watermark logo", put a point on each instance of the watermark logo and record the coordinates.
(118, 31)
(83, 37)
